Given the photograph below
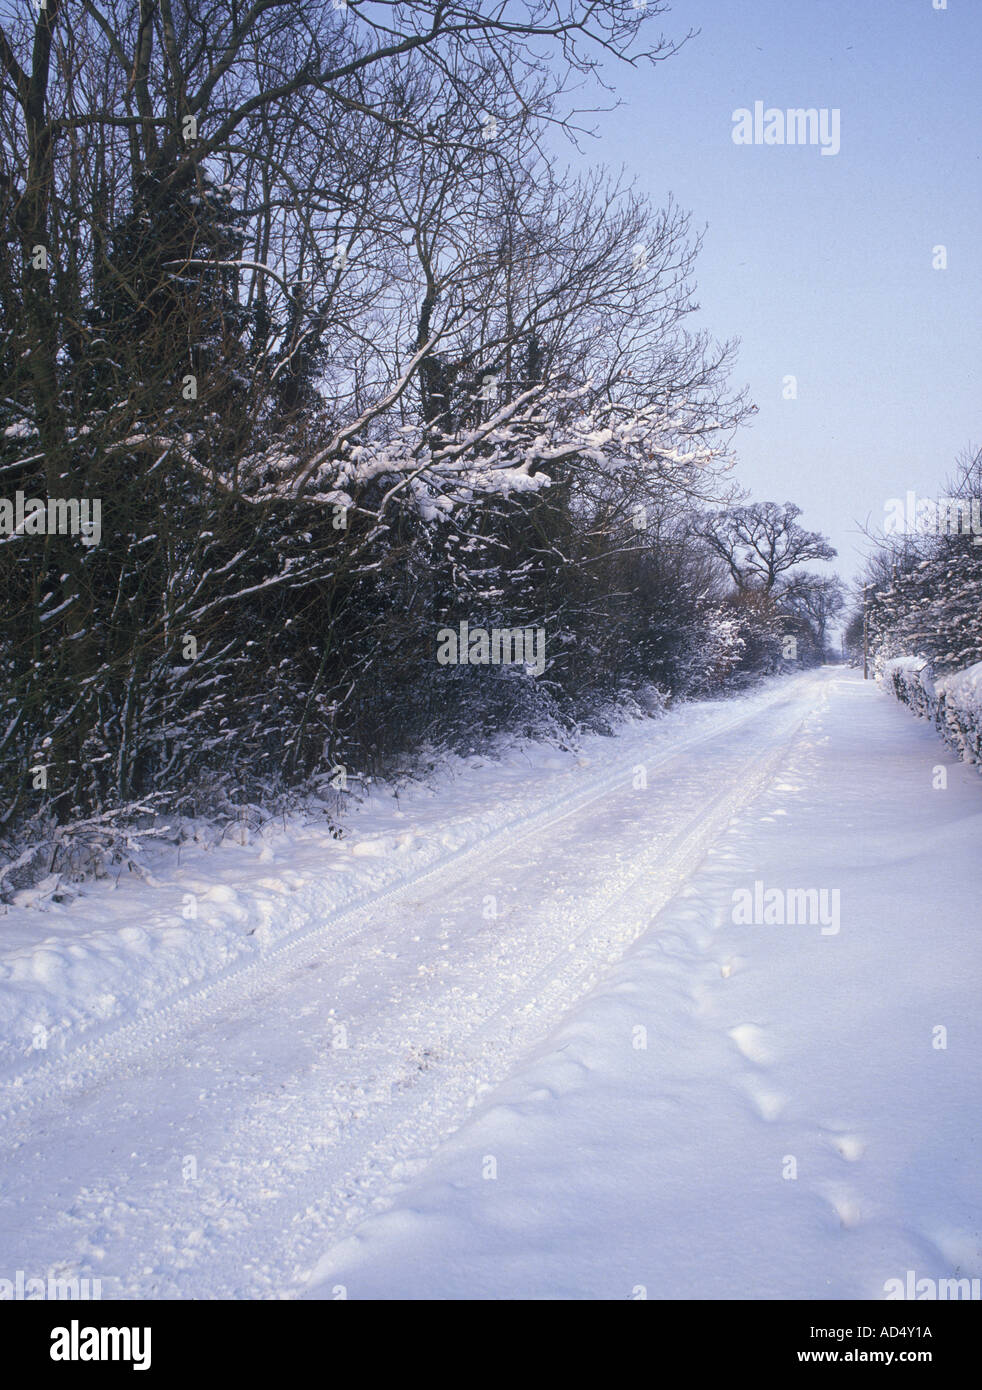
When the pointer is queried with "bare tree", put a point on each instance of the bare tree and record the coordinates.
(342, 348)
(761, 542)
(815, 598)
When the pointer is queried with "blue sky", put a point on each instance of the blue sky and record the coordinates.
(822, 265)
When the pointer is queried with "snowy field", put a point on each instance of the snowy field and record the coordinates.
(507, 1039)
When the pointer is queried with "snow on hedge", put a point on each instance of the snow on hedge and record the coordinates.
(959, 712)
(953, 702)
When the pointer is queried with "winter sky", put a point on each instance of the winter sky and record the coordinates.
(822, 265)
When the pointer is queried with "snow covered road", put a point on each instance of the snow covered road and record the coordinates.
(555, 1066)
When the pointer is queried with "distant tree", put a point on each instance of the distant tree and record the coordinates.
(761, 542)
(815, 598)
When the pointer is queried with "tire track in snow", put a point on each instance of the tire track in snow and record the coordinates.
(482, 1057)
(104, 1049)
(298, 1160)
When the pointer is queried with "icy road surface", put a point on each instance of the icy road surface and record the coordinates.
(556, 1066)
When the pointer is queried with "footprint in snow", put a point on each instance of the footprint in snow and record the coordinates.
(850, 1146)
(845, 1205)
(768, 1104)
(752, 1042)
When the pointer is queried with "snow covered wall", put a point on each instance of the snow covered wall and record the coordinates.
(953, 702)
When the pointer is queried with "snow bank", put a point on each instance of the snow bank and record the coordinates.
(911, 681)
(959, 712)
(953, 702)
(70, 970)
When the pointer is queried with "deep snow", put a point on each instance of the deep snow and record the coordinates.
(554, 1066)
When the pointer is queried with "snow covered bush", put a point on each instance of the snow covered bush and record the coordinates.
(333, 394)
(910, 679)
(924, 595)
(952, 702)
(923, 610)
(959, 711)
